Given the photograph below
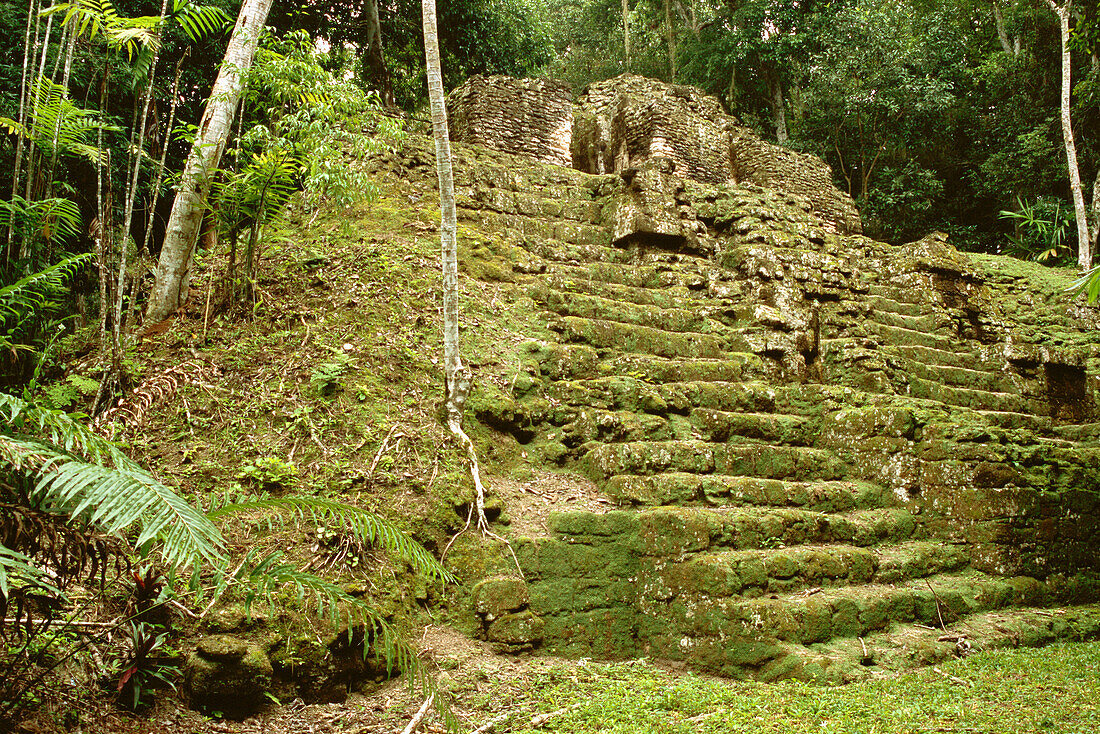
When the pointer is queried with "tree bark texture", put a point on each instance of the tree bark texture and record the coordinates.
(452, 360)
(379, 75)
(626, 34)
(1084, 248)
(173, 269)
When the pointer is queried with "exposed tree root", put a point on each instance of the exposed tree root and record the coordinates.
(457, 391)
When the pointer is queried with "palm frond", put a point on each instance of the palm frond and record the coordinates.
(366, 526)
(199, 21)
(18, 568)
(31, 298)
(116, 500)
(61, 430)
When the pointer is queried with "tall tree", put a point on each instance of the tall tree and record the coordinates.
(455, 374)
(173, 270)
(1084, 244)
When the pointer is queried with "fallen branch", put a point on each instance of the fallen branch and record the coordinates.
(953, 679)
(542, 719)
(419, 715)
(937, 598)
(493, 723)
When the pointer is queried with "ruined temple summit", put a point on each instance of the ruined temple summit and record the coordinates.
(821, 455)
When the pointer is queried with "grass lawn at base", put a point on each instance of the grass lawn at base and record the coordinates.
(1053, 689)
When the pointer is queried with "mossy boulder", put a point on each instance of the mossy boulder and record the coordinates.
(228, 674)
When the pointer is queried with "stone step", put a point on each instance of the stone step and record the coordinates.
(932, 322)
(896, 294)
(899, 336)
(765, 572)
(946, 357)
(889, 305)
(963, 377)
(680, 488)
(767, 461)
(731, 367)
(609, 426)
(632, 393)
(976, 399)
(715, 305)
(604, 334)
(1013, 421)
(595, 307)
(904, 647)
(554, 240)
(617, 268)
(672, 533)
(812, 617)
(776, 428)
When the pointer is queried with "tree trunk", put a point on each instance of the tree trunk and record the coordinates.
(671, 42)
(456, 375)
(1002, 34)
(1084, 249)
(452, 361)
(378, 74)
(173, 270)
(779, 109)
(626, 34)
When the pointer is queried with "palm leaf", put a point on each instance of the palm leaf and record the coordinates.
(198, 21)
(16, 567)
(366, 526)
(116, 500)
(29, 299)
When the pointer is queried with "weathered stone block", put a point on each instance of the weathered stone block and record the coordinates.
(497, 596)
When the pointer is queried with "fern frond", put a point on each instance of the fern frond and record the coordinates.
(366, 526)
(60, 430)
(116, 500)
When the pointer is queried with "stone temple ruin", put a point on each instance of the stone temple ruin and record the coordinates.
(820, 455)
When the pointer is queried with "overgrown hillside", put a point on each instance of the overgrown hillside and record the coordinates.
(690, 458)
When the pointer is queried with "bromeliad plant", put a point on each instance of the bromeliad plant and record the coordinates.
(74, 505)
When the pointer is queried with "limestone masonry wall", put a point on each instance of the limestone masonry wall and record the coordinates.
(528, 117)
(626, 122)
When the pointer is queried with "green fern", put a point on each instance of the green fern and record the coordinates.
(80, 473)
(25, 304)
(366, 526)
(116, 500)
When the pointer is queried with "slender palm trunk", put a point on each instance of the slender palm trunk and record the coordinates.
(174, 267)
(671, 42)
(626, 34)
(1084, 249)
(24, 92)
(456, 375)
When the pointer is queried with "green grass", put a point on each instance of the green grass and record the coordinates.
(1054, 689)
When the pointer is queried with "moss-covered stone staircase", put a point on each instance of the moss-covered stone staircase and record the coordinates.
(826, 455)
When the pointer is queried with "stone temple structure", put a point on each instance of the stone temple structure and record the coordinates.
(818, 456)
(622, 123)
